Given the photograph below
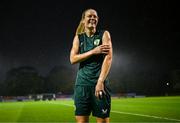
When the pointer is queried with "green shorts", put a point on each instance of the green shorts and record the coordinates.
(86, 102)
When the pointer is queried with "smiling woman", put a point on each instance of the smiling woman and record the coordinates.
(92, 48)
(86, 18)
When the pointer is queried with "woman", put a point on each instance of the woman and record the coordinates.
(93, 50)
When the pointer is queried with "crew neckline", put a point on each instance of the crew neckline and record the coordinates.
(90, 36)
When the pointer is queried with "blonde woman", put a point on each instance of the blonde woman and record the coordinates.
(91, 48)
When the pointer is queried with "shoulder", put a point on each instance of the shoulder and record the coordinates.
(76, 40)
(76, 37)
(103, 33)
(106, 34)
(80, 36)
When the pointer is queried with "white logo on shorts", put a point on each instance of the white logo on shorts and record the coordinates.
(104, 111)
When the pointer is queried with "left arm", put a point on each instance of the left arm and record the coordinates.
(106, 40)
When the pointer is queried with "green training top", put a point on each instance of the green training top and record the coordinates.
(89, 70)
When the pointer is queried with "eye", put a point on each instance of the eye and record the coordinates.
(95, 16)
(90, 16)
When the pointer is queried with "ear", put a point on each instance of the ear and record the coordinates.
(98, 18)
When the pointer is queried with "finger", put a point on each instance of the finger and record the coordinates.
(101, 94)
(105, 53)
(105, 49)
(104, 91)
(105, 46)
(96, 94)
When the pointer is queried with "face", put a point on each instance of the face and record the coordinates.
(90, 19)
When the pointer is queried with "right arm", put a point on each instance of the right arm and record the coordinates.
(75, 57)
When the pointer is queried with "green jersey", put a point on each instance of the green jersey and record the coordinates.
(89, 70)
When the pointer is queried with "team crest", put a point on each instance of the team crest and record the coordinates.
(96, 42)
(81, 44)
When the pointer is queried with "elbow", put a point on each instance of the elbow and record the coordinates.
(72, 61)
(109, 60)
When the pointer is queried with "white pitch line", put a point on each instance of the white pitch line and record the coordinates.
(120, 112)
(144, 115)
(62, 104)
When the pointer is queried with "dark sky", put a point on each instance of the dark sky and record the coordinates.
(40, 33)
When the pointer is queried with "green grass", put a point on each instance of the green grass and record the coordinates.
(151, 109)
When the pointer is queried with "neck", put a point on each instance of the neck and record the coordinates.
(90, 32)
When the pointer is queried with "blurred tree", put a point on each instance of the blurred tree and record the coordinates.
(60, 79)
(1, 89)
(175, 80)
(23, 81)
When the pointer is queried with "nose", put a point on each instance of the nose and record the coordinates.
(92, 18)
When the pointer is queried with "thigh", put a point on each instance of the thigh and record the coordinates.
(103, 120)
(82, 101)
(82, 119)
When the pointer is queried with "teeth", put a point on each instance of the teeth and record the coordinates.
(92, 21)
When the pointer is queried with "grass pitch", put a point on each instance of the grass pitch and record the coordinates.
(148, 109)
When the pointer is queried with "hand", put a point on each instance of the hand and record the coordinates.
(101, 49)
(99, 90)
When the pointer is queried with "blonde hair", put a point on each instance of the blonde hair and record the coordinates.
(81, 28)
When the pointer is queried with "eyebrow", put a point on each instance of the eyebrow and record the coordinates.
(92, 15)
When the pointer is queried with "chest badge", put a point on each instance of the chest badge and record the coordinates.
(96, 42)
(81, 44)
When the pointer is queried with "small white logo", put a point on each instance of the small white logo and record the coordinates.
(96, 42)
(104, 111)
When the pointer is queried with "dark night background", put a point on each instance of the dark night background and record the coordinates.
(39, 34)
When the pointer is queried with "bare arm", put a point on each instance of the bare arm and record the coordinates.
(75, 57)
(106, 64)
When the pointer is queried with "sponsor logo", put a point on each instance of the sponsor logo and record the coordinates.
(104, 111)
